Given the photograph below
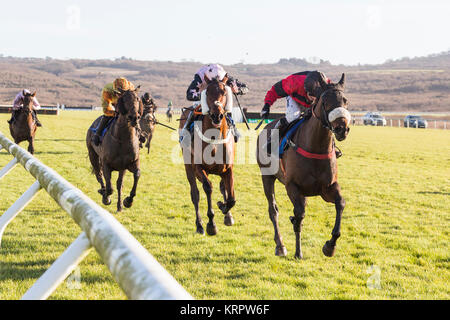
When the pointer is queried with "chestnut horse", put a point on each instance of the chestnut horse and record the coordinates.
(309, 167)
(119, 150)
(208, 155)
(24, 127)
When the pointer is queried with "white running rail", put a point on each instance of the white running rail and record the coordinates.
(135, 270)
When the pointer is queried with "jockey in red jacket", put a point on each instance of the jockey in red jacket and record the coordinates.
(300, 90)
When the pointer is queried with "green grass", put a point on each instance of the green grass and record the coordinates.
(396, 183)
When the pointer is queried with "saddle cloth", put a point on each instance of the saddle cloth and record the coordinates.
(108, 125)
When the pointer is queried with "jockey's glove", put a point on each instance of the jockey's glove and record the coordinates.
(265, 111)
(243, 90)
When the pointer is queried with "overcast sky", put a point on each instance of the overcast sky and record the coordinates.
(228, 32)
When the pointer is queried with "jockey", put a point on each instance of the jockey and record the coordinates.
(199, 84)
(110, 96)
(301, 91)
(18, 105)
(148, 102)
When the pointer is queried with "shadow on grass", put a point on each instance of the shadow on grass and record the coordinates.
(54, 152)
(23, 270)
(60, 140)
(435, 192)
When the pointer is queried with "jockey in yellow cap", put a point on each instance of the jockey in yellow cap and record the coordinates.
(110, 95)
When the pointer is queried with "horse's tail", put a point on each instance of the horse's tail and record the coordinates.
(96, 163)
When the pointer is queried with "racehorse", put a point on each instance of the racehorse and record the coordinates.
(147, 124)
(309, 167)
(119, 150)
(208, 155)
(169, 114)
(24, 127)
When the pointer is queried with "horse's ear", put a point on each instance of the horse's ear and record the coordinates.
(207, 80)
(137, 88)
(33, 94)
(341, 82)
(118, 92)
(322, 81)
(23, 92)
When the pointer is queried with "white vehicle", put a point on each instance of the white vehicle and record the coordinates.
(374, 119)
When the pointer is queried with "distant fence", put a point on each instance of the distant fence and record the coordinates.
(395, 122)
(50, 110)
(138, 274)
(358, 121)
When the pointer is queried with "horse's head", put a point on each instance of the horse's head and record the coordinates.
(333, 108)
(129, 106)
(216, 98)
(28, 101)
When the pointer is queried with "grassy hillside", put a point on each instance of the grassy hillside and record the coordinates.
(395, 181)
(419, 84)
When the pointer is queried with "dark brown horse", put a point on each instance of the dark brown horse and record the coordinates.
(147, 124)
(309, 167)
(24, 127)
(119, 150)
(212, 152)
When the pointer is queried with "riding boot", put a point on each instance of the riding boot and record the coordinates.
(98, 132)
(233, 128)
(38, 123)
(282, 126)
(184, 133)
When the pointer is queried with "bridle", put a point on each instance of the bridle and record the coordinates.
(325, 122)
(220, 106)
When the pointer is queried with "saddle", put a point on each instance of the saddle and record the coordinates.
(108, 125)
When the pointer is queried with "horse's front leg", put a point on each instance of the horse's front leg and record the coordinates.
(119, 184)
(334, 194)
(106, 199)
(195, 197)
(227, 190)
(149, 139)
(299, 202)
(211, 228)
(31, 145)
(128, 201)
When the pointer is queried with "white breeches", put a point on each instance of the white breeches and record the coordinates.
(293, 109)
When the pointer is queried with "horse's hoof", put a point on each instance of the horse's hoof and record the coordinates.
(280, 251)
(211, 229)
(228, 220)
(106, 201)
(200, 230)
(128, 202)
(298, 256)
(328, 249)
